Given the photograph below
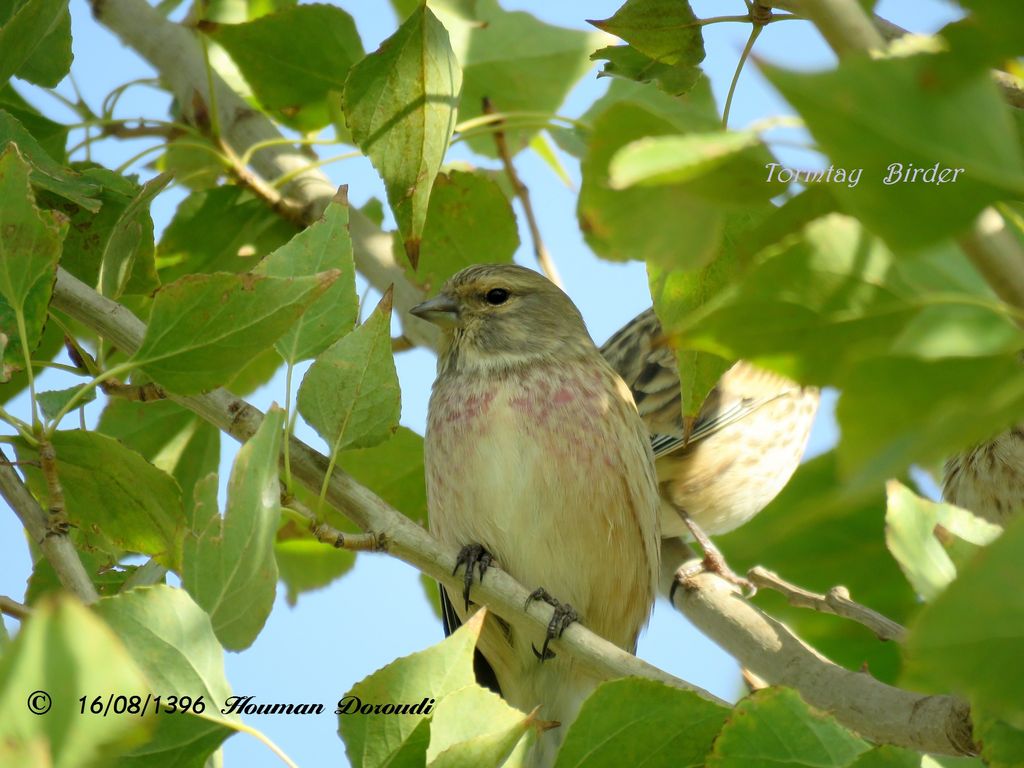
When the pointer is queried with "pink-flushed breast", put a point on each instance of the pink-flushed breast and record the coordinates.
(550, 471)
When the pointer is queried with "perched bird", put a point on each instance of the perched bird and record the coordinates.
(537, 461)
(988, 479)
(742, 448)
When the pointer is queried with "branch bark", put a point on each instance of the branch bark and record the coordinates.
(175, 52)
(57, 547)
(765, 646)
(405, 540)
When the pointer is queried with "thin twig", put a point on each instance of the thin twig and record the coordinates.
(13, 608)
(755, 32)
(326, 534)
(288, 209)
(547, 264)
(836, 601)
(135, 393)
(402, 343)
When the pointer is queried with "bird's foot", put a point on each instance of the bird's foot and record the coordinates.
(472, 556)
(563, 616)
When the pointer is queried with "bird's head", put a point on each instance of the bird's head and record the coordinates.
(501, 315)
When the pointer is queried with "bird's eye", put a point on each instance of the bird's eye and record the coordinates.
(496, 296)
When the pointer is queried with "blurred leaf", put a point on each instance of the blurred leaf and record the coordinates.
(896, 411)
(469, 220)
(116, 499)
(128, 263)
(294, 82)
(878, 113)
(30, 243)
(912, 533)
(350, 394)
(665, 30)
(627, 62)
(204, 327)
(751, 735)
(228, 565)
(674, 159)
(51, 402)
(889, 757)
(969, 638)
(325, 245)
(816, 534)
(171, 640)
(305, 564)
(394, 471)
(171, 437)
(638, 721)
(400, 103)
(35, 41)
(474, 726)
(107, 580)
(47, 173)
(222, 230)
(1001, 743)
(63, 650)
(986, 37)
(518, 63)
(373, 740)
(52, 136)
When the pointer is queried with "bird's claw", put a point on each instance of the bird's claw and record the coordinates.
(563, 616)
(472, 556)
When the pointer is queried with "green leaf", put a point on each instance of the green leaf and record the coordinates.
(519, 64)
(107, 580)
(228, 565)
(665, 30)
(890, 757)
(815, 533)
(169, 436)
(751, 736)
(627, 62)
(51, 402)
(52, 136)
(400, 103)
(171, 640)
(30, 243)
(474, 726)
(878, 113)
(35, 41)
(65, 651)
(469, 220)
(969, 638)
(371, 740)
(896, 411)
(634, 721)
(47, 173)
(350, 394)
(912, 532)
(394, 471)
(116, 499)
(664, 225)
(128, 255)
(674, 159)
(296, 87)
(325, 245)
(1001, 743)
(204, 327)
(221, 230)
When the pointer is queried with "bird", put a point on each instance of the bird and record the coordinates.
(988, 478)
(745, 443)
(537, 461)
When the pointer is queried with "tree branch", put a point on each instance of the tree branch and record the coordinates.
(836, 601)
(56, 547)
(14, 608)
(176, 53)
(405, 540)
(879, 712)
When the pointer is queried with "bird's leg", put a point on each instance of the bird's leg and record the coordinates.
(713, 561)
(563, 616)
(472, 556)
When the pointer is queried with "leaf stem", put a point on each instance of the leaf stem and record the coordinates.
(117, 370)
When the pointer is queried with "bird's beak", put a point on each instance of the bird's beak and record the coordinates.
(441, 310)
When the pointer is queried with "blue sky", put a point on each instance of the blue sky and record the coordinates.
(315, 651)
